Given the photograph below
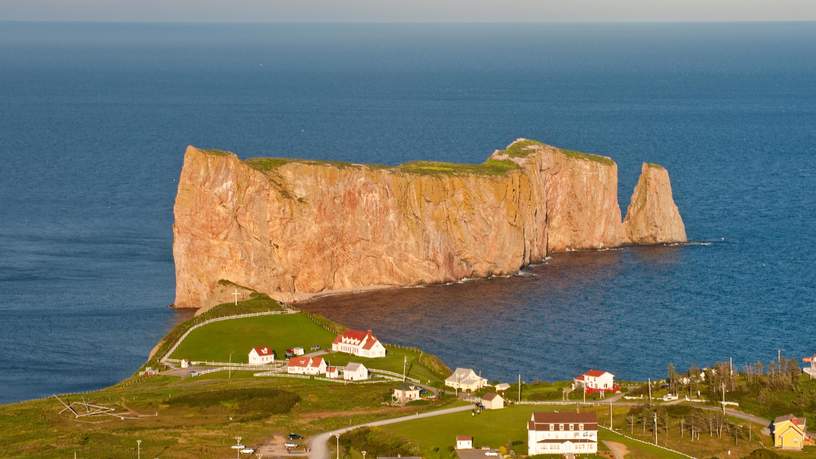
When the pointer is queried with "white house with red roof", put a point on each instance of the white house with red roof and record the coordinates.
(596, 381)
(261, 355)
(565, 434)
(464, 442)
(360, 343)
(332, 372)
(306, 365)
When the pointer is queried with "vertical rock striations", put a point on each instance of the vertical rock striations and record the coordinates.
(295, 229)
(652, 216)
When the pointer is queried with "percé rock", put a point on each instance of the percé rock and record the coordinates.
(652, 216)
(295, 229)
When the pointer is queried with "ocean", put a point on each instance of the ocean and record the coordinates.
(94, 119)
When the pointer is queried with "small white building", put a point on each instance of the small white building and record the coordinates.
(596, 381)
(185, 363)
(493, 401)
(332, 372)
(359, 343)
(465, 379)
(464, 442)
(261, 355)
(562, 434)
(355, 372)
(406, 393)
(306, 365)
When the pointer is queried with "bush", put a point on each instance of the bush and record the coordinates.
(764, 454)
(376, 443)
(270, 401)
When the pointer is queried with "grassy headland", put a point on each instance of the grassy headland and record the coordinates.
(518, 149)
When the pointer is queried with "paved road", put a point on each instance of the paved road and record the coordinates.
(318, 445)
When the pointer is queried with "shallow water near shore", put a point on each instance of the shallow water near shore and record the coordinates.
(94, 119)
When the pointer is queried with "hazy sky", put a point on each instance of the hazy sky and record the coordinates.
(407, 11)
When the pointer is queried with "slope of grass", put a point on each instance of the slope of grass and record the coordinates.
(393, 361)
(589, 157)
(256, 303)
(194, 417)
(217, 341)
(508, 428)
(489, 167)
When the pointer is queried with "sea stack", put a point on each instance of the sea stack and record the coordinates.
(652, 216)
(294, 229)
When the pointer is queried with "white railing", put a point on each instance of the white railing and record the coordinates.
(392, 374)
(646, 442)
(220, 319)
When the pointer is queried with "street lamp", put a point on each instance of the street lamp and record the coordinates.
(138, 449)
(337, 436)
(238, 447)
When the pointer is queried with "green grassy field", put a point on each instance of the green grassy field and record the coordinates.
(216, 341)
(256, 303)
(393, 361)
(507, 428)
(195, 417)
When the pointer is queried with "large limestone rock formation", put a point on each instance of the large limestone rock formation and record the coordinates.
(652, 216)
(295, 229)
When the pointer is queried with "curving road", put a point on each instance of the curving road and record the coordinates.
(318, 445)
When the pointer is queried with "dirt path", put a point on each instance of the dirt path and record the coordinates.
(619, 450)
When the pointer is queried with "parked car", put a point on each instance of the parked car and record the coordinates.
(194, 373)
(316, 347)
(294, 436)
(291, 444)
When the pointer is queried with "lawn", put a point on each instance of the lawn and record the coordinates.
(216, 341)
(507, 428)
(393, 361)
(195, 417)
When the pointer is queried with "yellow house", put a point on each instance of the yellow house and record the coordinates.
(788, 432)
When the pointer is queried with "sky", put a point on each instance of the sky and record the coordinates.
(406, 11)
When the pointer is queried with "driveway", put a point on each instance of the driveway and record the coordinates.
(318, 445)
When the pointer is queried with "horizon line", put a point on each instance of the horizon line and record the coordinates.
(429, 22)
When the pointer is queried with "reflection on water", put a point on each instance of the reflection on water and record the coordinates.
(622, 310)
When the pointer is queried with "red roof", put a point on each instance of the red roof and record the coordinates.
(463, 438)
(595, 373)
(305, 361)
(552, 421)
(367, 339)
(264, 350)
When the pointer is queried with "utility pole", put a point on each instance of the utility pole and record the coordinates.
(723, 401)
(610, 415)
(404, 366)
(655, 426)
(519, 388)
(138, 449)
(650, 391)
(779, 356)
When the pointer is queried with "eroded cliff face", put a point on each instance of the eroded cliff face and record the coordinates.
(652, 216)
(295, 229)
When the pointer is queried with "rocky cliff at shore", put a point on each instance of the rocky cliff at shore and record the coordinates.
(295, 229)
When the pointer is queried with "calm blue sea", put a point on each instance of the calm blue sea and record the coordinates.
(94, 119)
